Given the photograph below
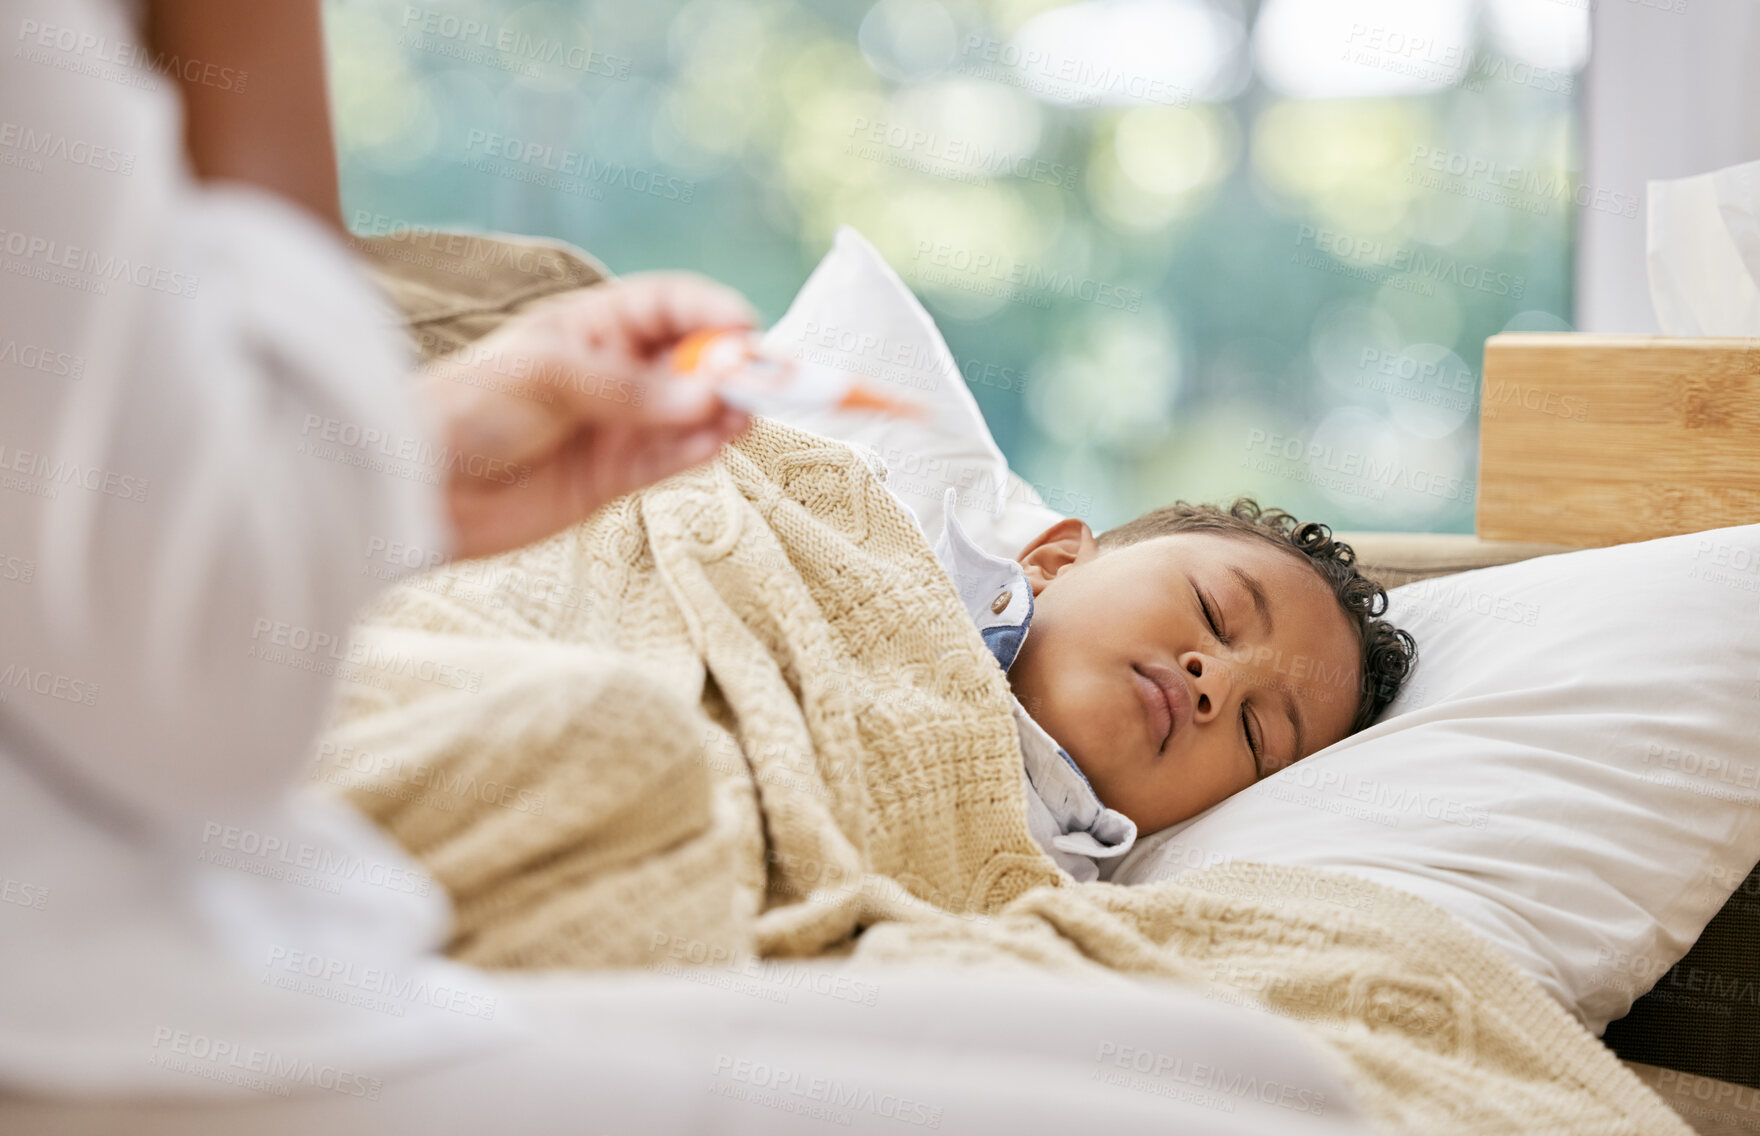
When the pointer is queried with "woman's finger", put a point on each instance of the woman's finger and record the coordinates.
(612, 340)
(657, 309)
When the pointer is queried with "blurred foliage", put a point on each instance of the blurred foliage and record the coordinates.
(1212, 287)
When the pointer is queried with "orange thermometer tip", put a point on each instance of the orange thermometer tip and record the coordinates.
(861, 396)
(765, 383)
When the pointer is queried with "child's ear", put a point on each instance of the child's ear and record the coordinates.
(1062, 546)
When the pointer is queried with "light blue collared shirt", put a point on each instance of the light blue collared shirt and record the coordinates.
(1064, 813)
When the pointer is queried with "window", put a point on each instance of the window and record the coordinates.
(1181, 248)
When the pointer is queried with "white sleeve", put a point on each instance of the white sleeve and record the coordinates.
(202, 441)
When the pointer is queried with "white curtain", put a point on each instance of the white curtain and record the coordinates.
(1672, 89)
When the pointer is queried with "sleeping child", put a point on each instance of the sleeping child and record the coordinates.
(768, 715)
(1173, 661)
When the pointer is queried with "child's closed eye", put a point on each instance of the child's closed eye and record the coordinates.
(1254, 746)
(1210, 618)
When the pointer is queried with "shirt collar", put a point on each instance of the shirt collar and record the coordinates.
(999, 599)
(1086, 827)
(993, 589)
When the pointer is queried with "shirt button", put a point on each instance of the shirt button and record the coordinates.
(1001, 602)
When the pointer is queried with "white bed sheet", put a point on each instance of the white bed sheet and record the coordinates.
(719, 1052)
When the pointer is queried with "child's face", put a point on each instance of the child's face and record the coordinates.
(1111, 630)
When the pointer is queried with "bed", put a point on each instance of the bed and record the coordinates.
(1549, 483)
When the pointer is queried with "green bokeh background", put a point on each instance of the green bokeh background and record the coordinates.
(1311, 298)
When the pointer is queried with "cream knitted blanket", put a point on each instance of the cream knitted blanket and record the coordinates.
(743, 714)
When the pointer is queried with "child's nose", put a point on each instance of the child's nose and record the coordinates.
(1212, 679)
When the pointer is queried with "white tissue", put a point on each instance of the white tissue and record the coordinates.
(1704, 252)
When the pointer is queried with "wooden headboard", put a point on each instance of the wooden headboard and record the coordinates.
(1602, 439)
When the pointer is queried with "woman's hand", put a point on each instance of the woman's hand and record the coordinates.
(569, 405)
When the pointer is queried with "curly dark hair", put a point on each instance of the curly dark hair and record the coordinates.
(1388, 654)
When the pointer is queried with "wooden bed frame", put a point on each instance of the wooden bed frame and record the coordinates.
(1598, 439)
(1588, 440)
(1604, 439)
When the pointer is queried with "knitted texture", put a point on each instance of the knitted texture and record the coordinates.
(743, 714)
(1438, 1030)
(755, 669)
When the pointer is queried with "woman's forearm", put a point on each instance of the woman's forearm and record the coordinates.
(274, 131)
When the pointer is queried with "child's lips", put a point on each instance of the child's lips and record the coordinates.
(1166, 698)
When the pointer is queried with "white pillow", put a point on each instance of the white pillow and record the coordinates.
(1573, 770)
(855, 313)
